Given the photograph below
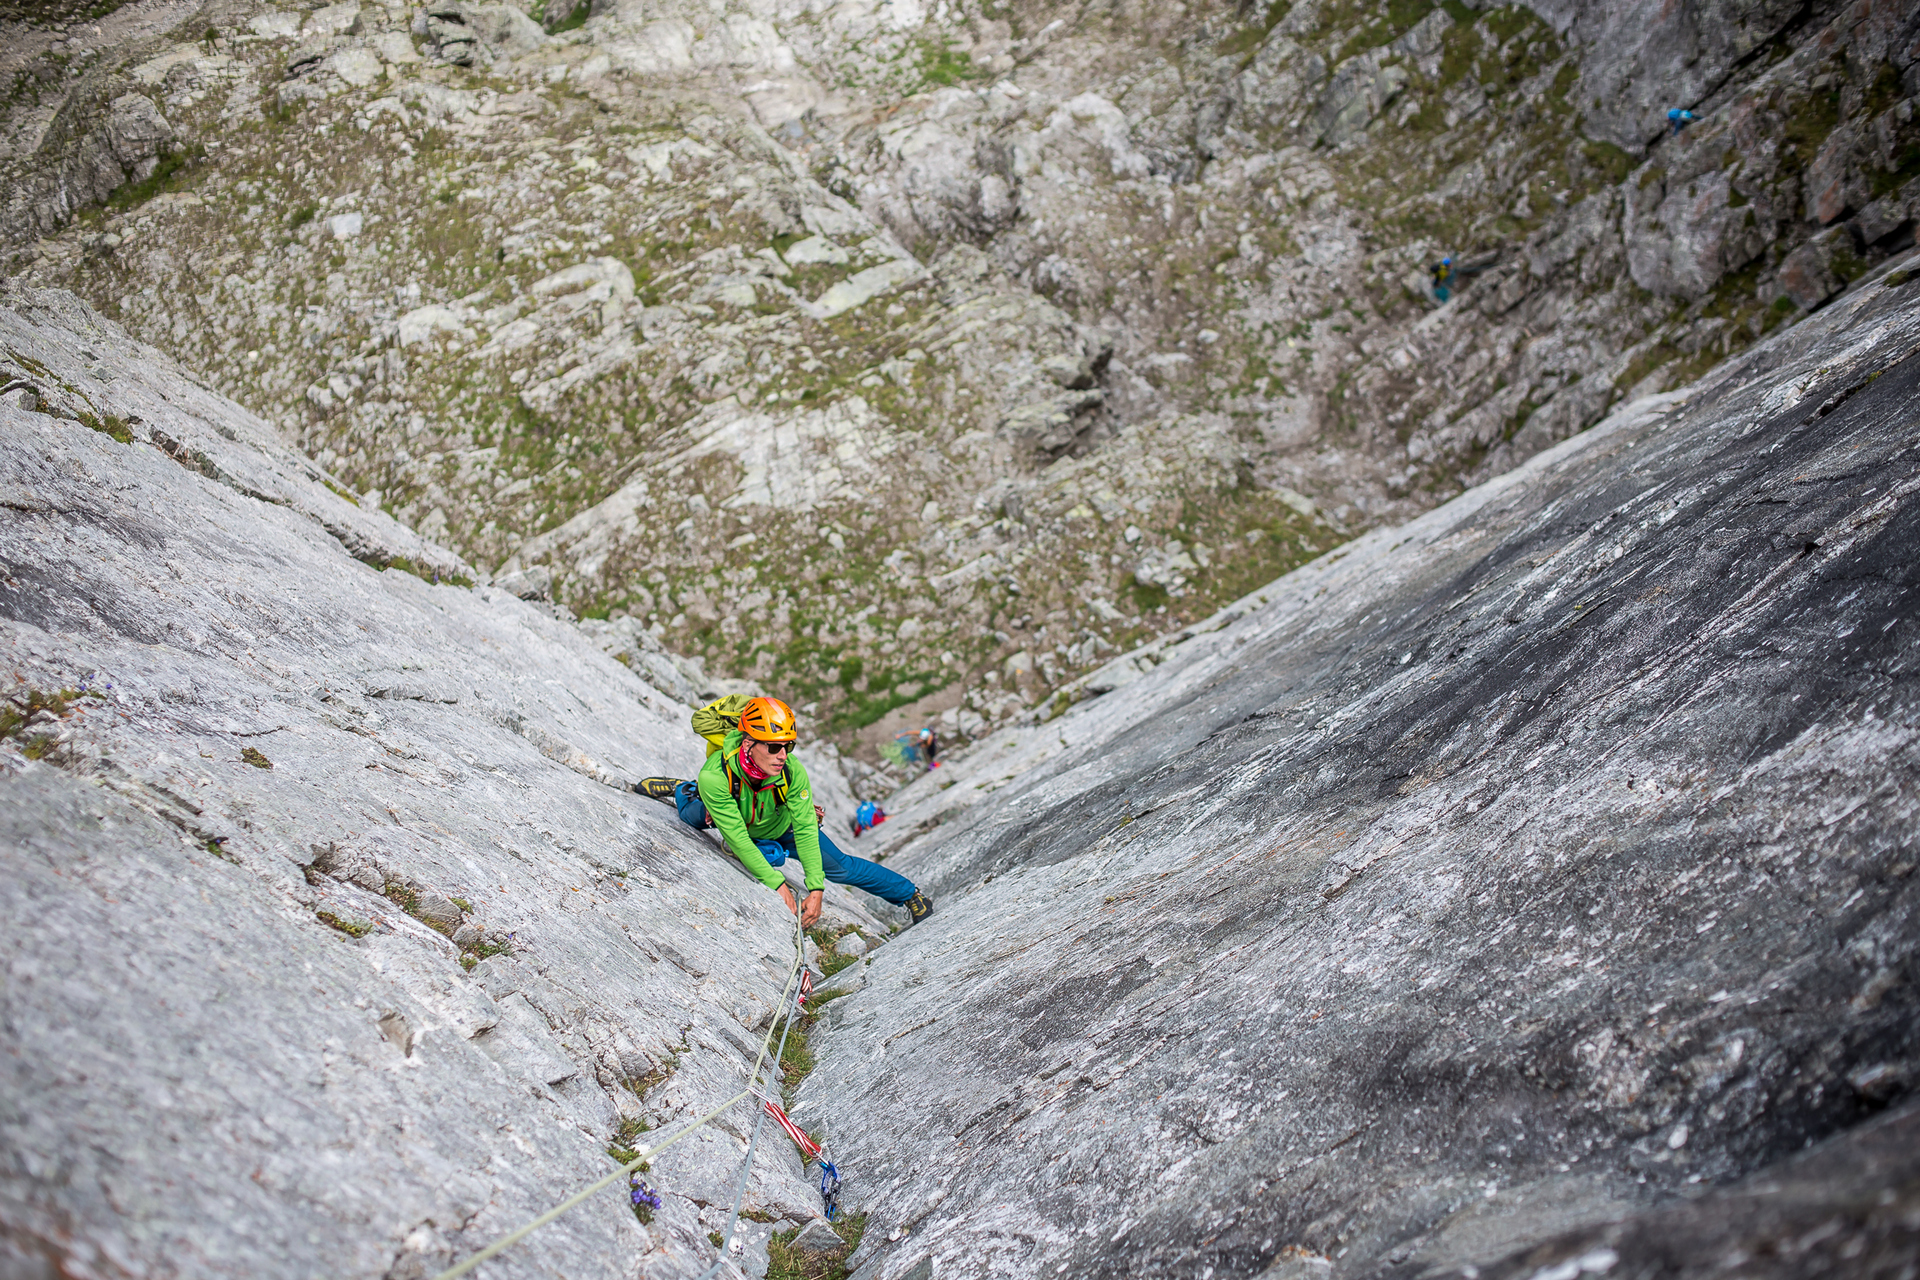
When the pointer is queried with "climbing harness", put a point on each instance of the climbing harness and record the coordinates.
(797, 978)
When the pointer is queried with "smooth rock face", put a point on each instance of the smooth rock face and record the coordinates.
(335, 944)
(1513, 890)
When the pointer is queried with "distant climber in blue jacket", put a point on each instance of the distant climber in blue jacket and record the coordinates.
(868, 816)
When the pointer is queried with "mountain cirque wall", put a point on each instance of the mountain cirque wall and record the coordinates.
(920, 358)
(334, 944)
(1517, 892)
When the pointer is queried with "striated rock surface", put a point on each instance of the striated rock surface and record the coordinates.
(1517, 892)
(335, 943)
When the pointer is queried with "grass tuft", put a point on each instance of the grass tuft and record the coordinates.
(168, 175)
(784, 1262)
(352, 928)
(21, 707)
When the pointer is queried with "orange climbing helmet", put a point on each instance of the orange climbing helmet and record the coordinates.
(768, 720)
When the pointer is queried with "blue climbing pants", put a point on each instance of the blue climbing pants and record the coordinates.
(841, 868)
(693, 810)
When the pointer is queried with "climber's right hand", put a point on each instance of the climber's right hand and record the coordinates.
(786, 896)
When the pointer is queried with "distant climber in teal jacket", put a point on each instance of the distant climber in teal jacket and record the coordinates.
(757, 795)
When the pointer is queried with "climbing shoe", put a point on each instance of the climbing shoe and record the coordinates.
(658, 788)
(919, 907)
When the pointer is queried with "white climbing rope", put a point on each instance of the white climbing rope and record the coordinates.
(786, 1023)
(746, 1170)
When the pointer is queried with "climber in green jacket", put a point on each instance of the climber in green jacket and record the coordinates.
(758, 797)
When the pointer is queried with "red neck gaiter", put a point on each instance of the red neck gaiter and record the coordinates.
(747, 766)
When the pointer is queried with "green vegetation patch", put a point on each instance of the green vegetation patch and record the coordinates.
(20, 707)
(1808, 123)
(796, 1058)
(639, 1085)
(941, 64)
(831, 961)
(474, 953)
(1247, 40)
(784, 1262)
(815, 1003)
(170, 174)
(47, 13)
(1906, 167)
(1884, 92)
(622, 1150)
(352, 928)
(111, 425)
(1613, 163)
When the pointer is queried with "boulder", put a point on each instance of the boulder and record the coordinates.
(1884, 217)
(1685, 234)
(863, 286)
(1835, 182)
(452, 33)
(506, 31)
(535, 582)
(1051, 424)
(137, 133)
(1360, 89)
(1820, 268)
(613, 274)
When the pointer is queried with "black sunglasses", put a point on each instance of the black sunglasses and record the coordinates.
(778, 746)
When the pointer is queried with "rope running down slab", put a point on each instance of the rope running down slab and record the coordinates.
(516, 1236)
(746, 1170)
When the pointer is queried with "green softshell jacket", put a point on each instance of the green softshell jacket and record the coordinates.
(759, 815)
(713, 720)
